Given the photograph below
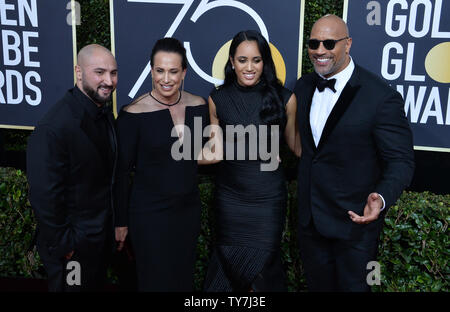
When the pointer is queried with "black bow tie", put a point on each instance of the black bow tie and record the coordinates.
(324, 83)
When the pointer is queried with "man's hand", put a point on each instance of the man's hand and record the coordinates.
(371, 210)
(121, 234)
(69, 255)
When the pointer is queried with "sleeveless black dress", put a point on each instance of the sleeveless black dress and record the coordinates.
(250, 203)
(162, 206)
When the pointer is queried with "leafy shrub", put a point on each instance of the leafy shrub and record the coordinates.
(413, 253)
(414, 245)
(206, 237)
(290, 252)
(17, 226)
(15, 140)
(95, 25)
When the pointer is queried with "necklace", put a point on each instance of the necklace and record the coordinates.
(169, 105)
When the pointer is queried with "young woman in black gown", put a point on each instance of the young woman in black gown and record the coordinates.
(250, 201)
(160, 207)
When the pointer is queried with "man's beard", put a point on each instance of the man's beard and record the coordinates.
(95, 96)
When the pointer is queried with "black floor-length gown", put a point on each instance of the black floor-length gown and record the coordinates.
(162, 206)
(250, 203)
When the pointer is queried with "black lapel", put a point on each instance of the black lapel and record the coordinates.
(347, 95)
(88, 127)
(86, 123)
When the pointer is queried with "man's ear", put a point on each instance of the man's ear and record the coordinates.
(349, 45)
(78, 72)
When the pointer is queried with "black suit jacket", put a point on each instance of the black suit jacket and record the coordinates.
(70, 176)
(366, 146)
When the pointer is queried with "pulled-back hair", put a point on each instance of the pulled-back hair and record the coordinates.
(272, 111)
(169, 45)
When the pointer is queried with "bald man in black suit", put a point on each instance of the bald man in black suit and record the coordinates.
(70, 159)
(357, 157)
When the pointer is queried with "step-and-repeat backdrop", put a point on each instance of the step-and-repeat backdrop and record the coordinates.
(36, 58)
(407, 43)
(205, 28)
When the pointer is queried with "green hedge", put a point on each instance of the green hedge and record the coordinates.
(414, 246)
(16, 226)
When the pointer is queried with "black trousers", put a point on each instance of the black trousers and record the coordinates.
(332, 265)
(85, 271)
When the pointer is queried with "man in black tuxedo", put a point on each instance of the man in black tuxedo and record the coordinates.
(357, 157)
(70, 159)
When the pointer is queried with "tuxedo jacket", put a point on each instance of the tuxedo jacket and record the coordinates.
(366, 146)
(70, 177)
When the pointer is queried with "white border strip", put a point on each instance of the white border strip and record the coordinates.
(113, 49)
(345, 11)
(300, 39)
(432, 149)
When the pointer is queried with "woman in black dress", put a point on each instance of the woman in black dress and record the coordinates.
(160, 205)
(250, 189)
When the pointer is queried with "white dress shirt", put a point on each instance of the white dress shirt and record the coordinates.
(323, 102)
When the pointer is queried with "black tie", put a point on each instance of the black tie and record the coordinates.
(324, 83)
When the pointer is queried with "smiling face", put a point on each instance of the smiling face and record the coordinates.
(330, 62)
(97, 75)
(248, 63)
(167, 75)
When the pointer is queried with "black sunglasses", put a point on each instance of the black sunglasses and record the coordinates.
(329, 44)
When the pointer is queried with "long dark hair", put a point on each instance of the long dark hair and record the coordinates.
(272, 111)
(169, 45)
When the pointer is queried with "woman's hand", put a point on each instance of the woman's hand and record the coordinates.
(121, 235)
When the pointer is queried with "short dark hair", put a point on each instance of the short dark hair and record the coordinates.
(169, 45)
